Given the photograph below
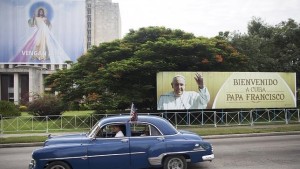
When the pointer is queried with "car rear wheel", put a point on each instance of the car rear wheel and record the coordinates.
(175, 162)
(58, 165)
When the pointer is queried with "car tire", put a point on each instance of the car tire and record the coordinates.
(58, 165)
(175, 162)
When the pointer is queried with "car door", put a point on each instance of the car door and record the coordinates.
(109, 152)
(145, 141)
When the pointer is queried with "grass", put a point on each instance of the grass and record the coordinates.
(23, 139)
(67, 113)
(27, 123)
(78, 113)
(243, 129)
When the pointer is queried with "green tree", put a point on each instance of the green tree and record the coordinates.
(112, 75)
(270, 48)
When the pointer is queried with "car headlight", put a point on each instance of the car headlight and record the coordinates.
(202, 146)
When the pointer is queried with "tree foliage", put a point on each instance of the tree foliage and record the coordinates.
(112, 75)
(270, 48)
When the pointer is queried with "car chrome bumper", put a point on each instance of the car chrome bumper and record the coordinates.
(31, 164)
(208, 157)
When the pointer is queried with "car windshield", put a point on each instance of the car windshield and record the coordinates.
(93, 130)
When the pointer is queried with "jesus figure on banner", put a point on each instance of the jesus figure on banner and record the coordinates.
(42, 46)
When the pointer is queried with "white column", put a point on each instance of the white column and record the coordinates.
(52, 67)
(34, 82)
(41, 82)
(16, 88)
(31, 81)
(44, 66)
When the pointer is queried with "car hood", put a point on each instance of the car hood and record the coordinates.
(67, 139)
(186, 132)
(190, 135)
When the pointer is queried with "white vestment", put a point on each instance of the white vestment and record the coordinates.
(119, 134)
(188, 100)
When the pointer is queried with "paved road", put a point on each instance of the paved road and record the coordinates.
(268, 152)
(15, 158)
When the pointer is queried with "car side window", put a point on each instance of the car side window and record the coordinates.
(154, 131)
(109, 131)
(141, 129)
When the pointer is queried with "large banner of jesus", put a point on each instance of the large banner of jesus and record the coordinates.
(41, 32)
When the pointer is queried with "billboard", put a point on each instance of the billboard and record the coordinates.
(41, 32)
(225, 90)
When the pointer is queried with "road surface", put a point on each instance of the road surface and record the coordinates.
(267, 152)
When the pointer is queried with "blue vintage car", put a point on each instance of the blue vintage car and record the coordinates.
(149, 142)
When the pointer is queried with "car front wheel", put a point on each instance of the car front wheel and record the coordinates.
(58, 165)
(175, 162)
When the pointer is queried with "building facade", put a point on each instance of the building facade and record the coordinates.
(103, 21)
(21, 79)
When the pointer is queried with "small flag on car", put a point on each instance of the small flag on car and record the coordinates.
(133, 113)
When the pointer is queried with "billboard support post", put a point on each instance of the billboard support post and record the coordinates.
(251, 117)
(215, 118)
(286, 117)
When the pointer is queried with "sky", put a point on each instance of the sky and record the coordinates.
(205, 17)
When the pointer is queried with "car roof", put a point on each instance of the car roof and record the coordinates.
(162, 124)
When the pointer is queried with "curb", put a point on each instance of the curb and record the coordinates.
(13, 145)
(251, 135)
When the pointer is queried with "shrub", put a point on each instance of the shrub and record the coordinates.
(8, 109)
(23, 108)
(46, 105)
